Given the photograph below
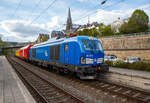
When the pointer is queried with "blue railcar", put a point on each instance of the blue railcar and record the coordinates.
(81, 55)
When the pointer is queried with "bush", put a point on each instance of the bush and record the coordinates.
(135, 66)
(110, 63)
(118, 63)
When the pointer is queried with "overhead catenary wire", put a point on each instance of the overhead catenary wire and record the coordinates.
(34, 8)
(15, 11)
(43, 11)
(17, 8)
(97, 10)
(93, 12)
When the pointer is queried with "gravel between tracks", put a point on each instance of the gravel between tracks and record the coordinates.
(89, 94)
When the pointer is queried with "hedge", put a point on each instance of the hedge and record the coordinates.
(145, 66)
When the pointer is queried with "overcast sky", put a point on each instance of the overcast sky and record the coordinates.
(18, 17)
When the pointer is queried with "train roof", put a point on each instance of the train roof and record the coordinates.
(61, 40)
(26, 47)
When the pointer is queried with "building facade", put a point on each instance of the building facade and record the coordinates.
(89, 26)
(39, 39)
(57, 34)
(69, 22)
(70, 27)
(115, 26)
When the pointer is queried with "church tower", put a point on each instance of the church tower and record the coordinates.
(69, 21)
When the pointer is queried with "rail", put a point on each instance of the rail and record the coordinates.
(132, 94)
(46, 91)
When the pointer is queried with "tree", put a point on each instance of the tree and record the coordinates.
(107, 31)
(88, 32)
(124, 28)
(100, 28)
(101, 31)
(2, 43)
(44, 38)
(138, 22)
(94, 32)
(79, 32)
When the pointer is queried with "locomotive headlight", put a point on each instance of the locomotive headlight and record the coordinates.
(89, 61)
(83, 61)
(100, 60)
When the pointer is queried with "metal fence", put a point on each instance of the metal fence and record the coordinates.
(128, 35)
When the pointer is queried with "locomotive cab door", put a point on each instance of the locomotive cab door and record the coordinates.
(66, 53)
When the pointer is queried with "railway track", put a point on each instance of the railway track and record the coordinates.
(131, 94)
(46, 92)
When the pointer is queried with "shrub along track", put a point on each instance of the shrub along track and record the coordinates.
(132, 95)
(46, 92)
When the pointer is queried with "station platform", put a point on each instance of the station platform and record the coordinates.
(129, 72)
(12, 90)
(133, 78)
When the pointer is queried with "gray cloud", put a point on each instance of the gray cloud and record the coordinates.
(22, 28)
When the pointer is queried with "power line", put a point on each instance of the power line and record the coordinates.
(97, 11)
(17, 8)
(34, 8)
(43, 11)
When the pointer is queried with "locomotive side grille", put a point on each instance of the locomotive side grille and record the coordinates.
(55, 52)
(34, 52)
(51, 52)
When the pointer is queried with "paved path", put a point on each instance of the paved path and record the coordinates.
(12, 90)
(137, 73)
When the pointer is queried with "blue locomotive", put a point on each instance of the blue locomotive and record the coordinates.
(81, 55)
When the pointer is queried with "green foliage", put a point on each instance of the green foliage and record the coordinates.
(118, 63)
(107, 31)
(136, 66)
(44, 38)
(101, 31)
(100, 28)
(2, 43)
(8, 52)
(110, 63)
(95, 32)
(138, 22)
(89, 32)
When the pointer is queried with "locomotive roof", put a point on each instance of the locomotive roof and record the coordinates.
(61, 40)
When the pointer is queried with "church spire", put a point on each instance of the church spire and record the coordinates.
(69, 21)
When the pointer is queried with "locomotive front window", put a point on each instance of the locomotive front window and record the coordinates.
(92, 45)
